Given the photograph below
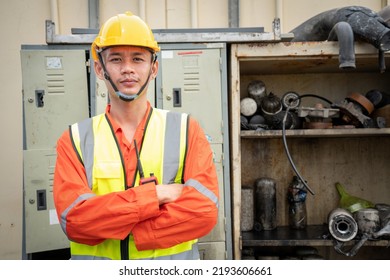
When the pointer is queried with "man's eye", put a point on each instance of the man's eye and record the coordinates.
(115, 59)
(138, 59)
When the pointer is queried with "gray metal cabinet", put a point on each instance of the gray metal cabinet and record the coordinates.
(192, 79)
(52, 81)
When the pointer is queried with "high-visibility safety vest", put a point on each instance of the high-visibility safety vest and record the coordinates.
(163, 153)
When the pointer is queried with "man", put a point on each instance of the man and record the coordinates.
(112, 206)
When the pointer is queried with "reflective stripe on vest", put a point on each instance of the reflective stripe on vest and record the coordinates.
(192, 254)
(105, 173)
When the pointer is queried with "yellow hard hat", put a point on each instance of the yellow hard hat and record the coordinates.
(124, 29)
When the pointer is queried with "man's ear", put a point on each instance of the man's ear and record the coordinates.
(98, 70)
(155, 69)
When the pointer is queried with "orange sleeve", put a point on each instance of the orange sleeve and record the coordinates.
(193, 214)
(93, 218)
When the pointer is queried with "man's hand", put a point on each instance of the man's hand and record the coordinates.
(168, 193)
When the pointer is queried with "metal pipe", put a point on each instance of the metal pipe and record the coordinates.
(194, 13)
(142, 9)
(93, 14)
(279, 11)
(54, 15)
(234, 13)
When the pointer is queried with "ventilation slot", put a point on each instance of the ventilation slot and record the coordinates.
(55, 84)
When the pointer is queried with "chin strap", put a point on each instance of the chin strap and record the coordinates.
(121, 95)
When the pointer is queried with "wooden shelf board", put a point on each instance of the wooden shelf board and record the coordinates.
(332, 132)
(313, 235)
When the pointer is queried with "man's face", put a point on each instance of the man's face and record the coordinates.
(128, 68)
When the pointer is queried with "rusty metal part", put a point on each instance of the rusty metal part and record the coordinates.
(317, 125)
(318, 117)
(351, 113)
(318, 112)
(362, 101)
(346, 126)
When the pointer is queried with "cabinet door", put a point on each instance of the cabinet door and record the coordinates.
(192, 82)
(52, 81)
(55, 95)
(42, 229)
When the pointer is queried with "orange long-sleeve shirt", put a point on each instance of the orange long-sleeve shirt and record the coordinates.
(136, 210)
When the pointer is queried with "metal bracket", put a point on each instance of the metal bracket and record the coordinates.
(53, 38)
(202, 35)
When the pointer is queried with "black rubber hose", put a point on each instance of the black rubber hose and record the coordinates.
(343, 33)
(316, 96)
(289, 156)
(285, 139)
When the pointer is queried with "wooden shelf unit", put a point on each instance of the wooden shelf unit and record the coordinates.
(358, 158)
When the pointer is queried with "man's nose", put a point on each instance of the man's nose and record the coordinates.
(127, 66)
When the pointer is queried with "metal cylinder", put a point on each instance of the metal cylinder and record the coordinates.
(257, 91)
(367, 220)
(247, 208)
(265, 200)
(342, 225)
(248, 106)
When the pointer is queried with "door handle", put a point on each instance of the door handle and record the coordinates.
(176, 93)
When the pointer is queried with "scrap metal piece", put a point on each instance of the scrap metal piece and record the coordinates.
(339, 247)
(351, 113)
(317, 112)
(291, 100)
(384, 215)
(318, 117)
(342, 225)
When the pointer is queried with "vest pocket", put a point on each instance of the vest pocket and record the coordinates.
(108, 177)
